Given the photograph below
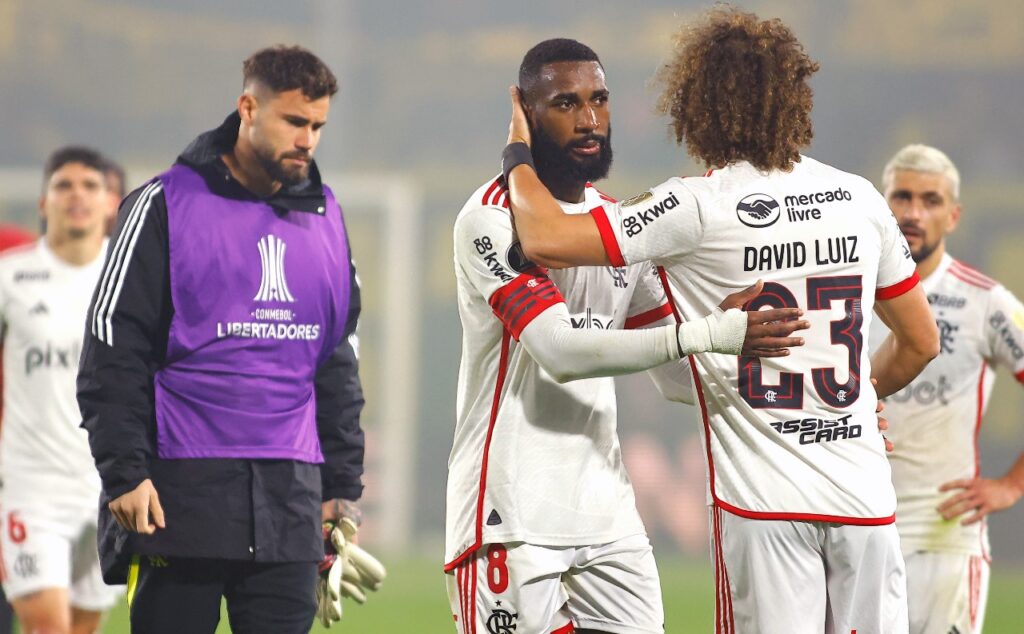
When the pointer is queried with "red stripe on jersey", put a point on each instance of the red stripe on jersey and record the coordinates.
(520, 301)
(973, 272)
(897, 289)
(605, 197)
(496, 198)
(490, 190)
(970, 278)
(974, 588)
(568, 628)
(719, 596)
(611, 245)
(729, 617)
(648, 317)
(472, 601)
(499, 383)
(804, 517)
(668, 293)
(977, 418)
(460, 583)
(709, 172)
(723, 597)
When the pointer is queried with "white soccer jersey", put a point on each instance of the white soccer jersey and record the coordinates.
(792, 437)
(534, 460)
(934, 421)
(44, 455)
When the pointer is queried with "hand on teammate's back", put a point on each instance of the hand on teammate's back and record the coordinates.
(135, 510)
(768, 331)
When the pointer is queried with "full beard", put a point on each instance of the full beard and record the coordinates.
(557, 164)
(274, 166)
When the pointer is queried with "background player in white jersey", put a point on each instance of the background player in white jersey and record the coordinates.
(542, 529)
(804, 540)
(10, 236)
(942, 499)
(50, 487)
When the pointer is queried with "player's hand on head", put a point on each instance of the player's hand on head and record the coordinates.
(519, 127)
(979, 497)
(139, 510)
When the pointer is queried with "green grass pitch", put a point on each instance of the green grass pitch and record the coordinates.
(414, 600)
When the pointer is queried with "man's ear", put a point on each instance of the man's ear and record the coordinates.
(247, 107)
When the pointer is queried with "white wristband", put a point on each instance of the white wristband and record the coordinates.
(721, 331)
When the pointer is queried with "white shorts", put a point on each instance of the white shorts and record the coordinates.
(795, 577)
(519, 588)
(52, 548)
(946, 592)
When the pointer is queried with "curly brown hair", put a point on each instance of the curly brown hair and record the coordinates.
(737, 90)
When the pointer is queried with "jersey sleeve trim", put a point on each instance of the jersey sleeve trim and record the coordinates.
(650, 316)
(611, 245)
(520, 301)
(897, 289)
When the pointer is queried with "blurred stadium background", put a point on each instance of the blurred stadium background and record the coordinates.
(418, 124)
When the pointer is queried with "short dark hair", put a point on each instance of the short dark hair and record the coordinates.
(559, 49)
(281, 68)
(113, 167)
(73, 154)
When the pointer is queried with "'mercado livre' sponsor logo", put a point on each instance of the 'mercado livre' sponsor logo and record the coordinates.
(271, 322)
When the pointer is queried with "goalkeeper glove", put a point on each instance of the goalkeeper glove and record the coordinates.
(346, 571)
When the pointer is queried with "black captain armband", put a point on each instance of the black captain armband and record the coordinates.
(513, 155)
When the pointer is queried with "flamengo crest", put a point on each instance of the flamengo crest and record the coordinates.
(273, 286)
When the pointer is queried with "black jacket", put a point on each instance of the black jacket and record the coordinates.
(259, 510)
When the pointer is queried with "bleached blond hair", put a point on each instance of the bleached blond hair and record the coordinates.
(918, 157)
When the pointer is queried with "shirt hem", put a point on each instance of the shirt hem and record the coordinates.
(244, 453)
(805, 517)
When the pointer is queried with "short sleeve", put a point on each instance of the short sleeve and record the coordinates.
(648, 305)
(1004, 331)
(664, 222)
(897, 272)
(492, 260)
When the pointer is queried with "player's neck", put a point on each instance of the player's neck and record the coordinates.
(246, 169)
(75, 250)
(567, 192)
(928, 265)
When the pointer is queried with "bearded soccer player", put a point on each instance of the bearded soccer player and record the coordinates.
(803, 507)
(49, 566)
(543, 533)
(219, 380)
(943, 501)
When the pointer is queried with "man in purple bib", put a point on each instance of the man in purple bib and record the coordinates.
(219, 383)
